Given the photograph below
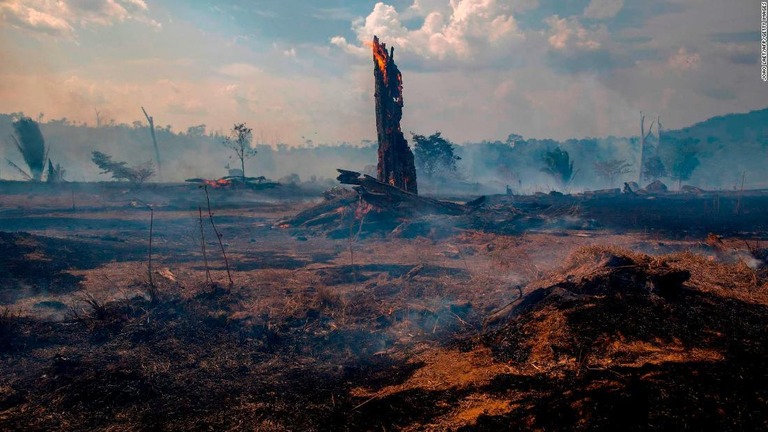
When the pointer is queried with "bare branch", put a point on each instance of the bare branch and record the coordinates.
(21, 171)
(650, 130)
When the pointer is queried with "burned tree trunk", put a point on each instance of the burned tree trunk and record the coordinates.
(643, 138)
(151, 121)
(396, 166)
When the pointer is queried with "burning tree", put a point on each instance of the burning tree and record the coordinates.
(239, 141)
(120, 171)
(396, 162)
(31, 144)
(611, 169)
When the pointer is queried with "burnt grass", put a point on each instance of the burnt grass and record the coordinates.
(175, 366)
(43, 263)
(727, 394)
(675, 215)
(609, 340)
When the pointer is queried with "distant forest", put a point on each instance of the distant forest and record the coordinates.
(719, 152)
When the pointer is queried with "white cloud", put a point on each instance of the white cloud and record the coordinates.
(461, 30)
(569, 34)
(603, 9)
(60, 18)
(25, 15)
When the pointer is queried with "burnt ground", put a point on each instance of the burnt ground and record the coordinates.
(624, 324)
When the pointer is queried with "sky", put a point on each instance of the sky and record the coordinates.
(299, 70)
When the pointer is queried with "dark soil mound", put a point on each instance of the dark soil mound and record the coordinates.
(628, 342)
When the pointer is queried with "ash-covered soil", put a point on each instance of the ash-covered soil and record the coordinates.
(578, 326)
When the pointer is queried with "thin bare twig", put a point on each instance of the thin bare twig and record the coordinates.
(151, 289)
(218, 235)
(208, 278)
(149, 260)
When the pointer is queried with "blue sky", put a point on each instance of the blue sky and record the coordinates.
(296, 70)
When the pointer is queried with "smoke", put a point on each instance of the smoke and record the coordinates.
(183, 156)
(485, 167)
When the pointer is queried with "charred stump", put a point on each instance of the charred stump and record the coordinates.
(396, 165)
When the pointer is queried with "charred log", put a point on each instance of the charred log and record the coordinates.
(396, 165)
(378, 207)
(387, 197)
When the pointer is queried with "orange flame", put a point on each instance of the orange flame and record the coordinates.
(363, 208)
(380, 56)
(216, 184)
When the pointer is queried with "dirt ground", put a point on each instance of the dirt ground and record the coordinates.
(377, 332)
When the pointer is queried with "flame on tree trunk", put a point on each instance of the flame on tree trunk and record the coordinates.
(396, 166)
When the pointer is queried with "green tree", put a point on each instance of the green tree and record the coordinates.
(654, 168)
(120, 170)
(559, 165)
(30, 143)
(196, 131)
(239, 141)
(683, 159)
(434, 155)
(611, 169)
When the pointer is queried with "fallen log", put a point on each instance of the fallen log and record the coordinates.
(390, 198)
(377, 207)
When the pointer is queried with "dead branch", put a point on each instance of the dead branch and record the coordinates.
(208, 278)
(218, 236)
(151, 121)
(20, 171)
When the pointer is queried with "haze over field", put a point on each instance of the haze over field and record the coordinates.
(298, 71)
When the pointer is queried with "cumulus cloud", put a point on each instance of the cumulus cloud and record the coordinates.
(357, 50)
(603, 9)
(46, 20)
(566, 34)
(459, 30)
(61, 18)
(574, 48)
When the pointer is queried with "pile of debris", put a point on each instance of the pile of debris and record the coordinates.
(618, 339)
(377, 207)
(597, 272)
(609, 307)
